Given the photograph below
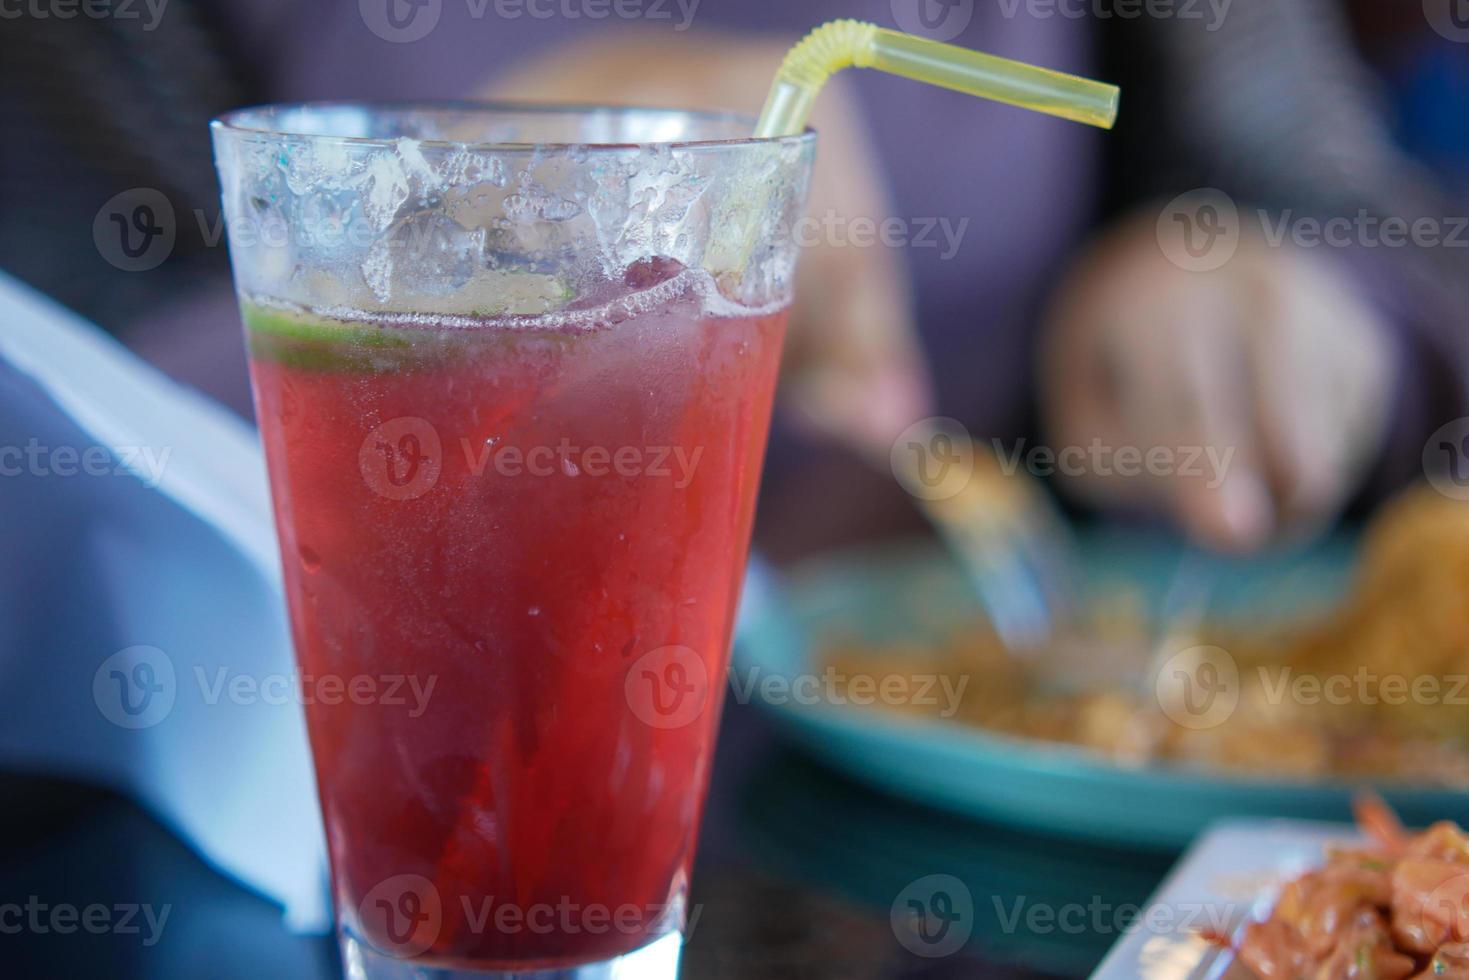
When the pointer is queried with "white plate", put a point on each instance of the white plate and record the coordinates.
(1229, 877)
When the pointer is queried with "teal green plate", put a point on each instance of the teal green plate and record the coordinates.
(887, 593)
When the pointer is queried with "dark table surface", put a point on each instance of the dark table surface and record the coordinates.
(798, 872)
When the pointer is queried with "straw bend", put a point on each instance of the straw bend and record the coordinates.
(806, 67)
(827, 50)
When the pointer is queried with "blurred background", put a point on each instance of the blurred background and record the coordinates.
(1213, 364)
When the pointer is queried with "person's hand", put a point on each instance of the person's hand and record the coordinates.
(1272, 367)
(852, 366)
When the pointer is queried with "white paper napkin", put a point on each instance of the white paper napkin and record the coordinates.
(143, 637)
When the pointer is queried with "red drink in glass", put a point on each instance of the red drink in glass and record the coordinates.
(540, 526)
(513, 371)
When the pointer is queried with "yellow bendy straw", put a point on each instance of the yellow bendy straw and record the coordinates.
(851, 43)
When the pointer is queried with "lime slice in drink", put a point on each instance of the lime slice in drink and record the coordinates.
(382, 337)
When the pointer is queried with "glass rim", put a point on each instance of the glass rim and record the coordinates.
(237, 121)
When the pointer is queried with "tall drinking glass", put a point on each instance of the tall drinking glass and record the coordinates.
(513, 371)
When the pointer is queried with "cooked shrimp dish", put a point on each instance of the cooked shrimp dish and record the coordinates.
(1395, 909)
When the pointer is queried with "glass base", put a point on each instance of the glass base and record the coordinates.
(656, 961)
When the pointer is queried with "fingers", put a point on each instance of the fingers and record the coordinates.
(1191, 393)
(1145, 356)
(1271, 366)
(1302, 442)
(1322, 376)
